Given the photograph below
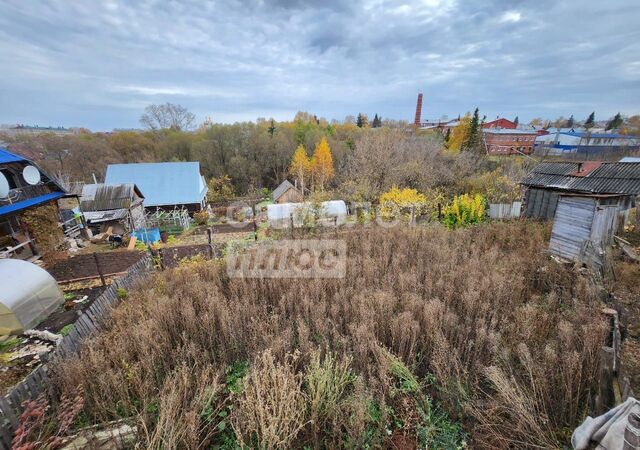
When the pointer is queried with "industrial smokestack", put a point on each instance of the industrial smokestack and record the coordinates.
(418, 110)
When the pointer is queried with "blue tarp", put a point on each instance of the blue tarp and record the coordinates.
(14, 207)
(147, 235)
(7, 157)
(162, 184)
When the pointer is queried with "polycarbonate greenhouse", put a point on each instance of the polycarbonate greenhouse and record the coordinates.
(333, 212)
(28, 294)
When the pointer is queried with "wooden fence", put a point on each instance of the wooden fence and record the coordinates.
(91, 321)
(504, 210)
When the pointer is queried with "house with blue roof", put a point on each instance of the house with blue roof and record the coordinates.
(166, 185)
(24, 189)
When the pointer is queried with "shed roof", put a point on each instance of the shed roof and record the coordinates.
(106, 197)
(280, 190)
(607, 178)
(167, 183)
(7, 157)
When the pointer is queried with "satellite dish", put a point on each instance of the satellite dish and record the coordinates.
(4, 186)
(31, 175)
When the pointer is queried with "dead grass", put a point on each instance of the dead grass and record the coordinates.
(477, 320)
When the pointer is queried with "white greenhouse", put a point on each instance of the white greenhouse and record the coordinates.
(28, 294)
(333, 212)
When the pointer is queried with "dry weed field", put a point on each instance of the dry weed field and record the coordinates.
(435, 339)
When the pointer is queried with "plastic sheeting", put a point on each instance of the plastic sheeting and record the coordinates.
(147, 235)
(28, 294)
(333, 212)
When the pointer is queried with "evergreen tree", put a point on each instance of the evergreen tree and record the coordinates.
(570, 122)
(377, 122)
(614, 123)
(272, 128)
(516, 121)
(474, 138)
(447, 137)
(362, 121)
(591, 120)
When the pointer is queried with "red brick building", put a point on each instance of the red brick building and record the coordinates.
(501, 123)
(500, 141)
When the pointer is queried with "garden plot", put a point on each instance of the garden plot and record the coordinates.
(19, 355)
(85, 267)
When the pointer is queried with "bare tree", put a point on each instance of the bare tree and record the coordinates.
(175, 117)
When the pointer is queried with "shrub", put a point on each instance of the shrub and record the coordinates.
(402, 202)
(271, 409)
(464, 210)
(201, 217)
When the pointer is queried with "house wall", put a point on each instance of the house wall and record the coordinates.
(137, 216)
(540, 203)
(509, 143)
(292, 195)
(572, 226)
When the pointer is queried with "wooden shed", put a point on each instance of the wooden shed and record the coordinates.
(587, 201)
(287, 193)
(583, 226)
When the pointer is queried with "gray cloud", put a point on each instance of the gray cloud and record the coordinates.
(98, 64)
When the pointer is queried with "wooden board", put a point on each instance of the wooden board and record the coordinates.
(132, 243)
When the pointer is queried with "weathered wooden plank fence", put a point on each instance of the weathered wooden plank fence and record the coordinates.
(92, 320)
(505, 210)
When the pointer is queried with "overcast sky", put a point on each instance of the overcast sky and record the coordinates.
(98, 64)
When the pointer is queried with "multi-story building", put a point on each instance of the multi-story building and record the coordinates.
(499, 141)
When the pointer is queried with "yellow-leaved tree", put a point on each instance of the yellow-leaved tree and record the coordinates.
(322, 163)
(459, 134)
(300, 166)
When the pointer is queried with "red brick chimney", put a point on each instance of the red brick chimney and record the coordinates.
(418, 110)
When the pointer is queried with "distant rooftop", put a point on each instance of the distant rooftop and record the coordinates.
(508, 131)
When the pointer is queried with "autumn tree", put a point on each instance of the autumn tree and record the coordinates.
(632, 126)
(615, 123)
(591, 120)
(300, 166)
(460, 134)
(322, 163)
(474, 137)
(537, 121)
(167, 116)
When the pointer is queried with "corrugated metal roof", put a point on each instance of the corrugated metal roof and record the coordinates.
(107, 197)
(169, 183)
(7, 157)
(609, 178)
(280, 190)
(105, 216)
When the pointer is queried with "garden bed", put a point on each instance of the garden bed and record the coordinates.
(82, 267)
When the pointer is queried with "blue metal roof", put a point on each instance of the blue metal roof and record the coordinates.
(168, 183)
(599, 135)
(19, 206)
(7, 157)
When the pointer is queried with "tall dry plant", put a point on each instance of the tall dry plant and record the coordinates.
(502, 337)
